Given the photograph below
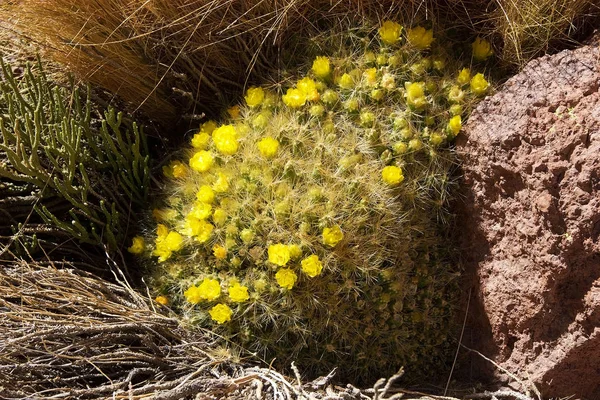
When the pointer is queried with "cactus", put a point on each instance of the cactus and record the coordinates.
(306, 225)
(54, 144)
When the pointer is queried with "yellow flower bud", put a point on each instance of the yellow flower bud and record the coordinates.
(309, 88)
(454, 125)
(463, 76)
(295, 251)
(415, 95)
(222, 183)
(482, 49)
(346, 82)
(479, 86)
(219, 252)
(321, 67)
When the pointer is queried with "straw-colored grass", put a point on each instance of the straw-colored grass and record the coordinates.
(176, 57)
(65, 333)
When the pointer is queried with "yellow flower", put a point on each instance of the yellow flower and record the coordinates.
(295, 251)
(309, 88)
(479, 85)
(482, 49)
(346, 81)
(332, 236)
(321, 67)
(312, 266)
(219, 252)
(222, 183)
(454, 125)
(268, 147)
(234, 111)
(201, 139)
(286, 278)
(203, 231)
(201, 210)
(392, 175)
(463, 76)
(390, 32)
(176, 169)
(279, 254)
(415, 94)
(294, 98)
(420, 37)
(164, 214)
(254, 96)
(192, 295)
(201, 161)
(205, 194)
(238, 293)
(209, 289)
(219, 216)
(198, 228)
(161, 232)
(225, 138)
(167, 244)
(221, 313)
(137, 246)
(162, 300)
(173, 241)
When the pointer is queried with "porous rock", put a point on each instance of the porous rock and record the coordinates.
(530, 219)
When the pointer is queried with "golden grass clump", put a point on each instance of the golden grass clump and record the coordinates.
(305, 226)
(166, 56)
(531, 27)
(169, 58)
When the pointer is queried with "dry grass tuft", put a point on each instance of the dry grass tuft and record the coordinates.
(531, 27)
(167, 56)
(65, 333)
(176, 57)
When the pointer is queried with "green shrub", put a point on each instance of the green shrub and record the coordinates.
(86, 169)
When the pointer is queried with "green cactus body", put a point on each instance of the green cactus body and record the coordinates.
(306, 227)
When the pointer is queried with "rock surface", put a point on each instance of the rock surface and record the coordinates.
(531, 223)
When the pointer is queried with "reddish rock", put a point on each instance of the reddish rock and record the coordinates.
(531, 223)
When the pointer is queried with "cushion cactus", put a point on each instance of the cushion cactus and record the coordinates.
(306, 226)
